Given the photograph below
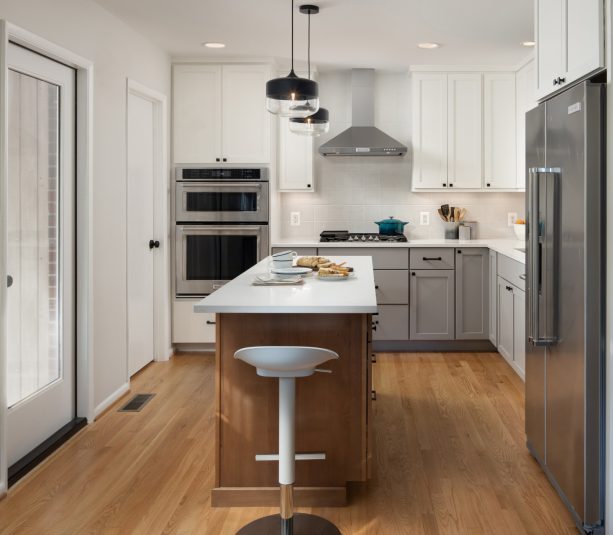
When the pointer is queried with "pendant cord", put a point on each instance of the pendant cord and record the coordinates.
(292, 10)
(309, 46)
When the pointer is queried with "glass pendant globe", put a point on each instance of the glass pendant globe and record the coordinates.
(292, 96)
(313, 125)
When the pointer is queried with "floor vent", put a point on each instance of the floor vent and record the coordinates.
(137, 403)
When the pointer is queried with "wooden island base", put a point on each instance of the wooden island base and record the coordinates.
(332, 410)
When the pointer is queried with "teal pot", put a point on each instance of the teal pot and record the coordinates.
(391, 226)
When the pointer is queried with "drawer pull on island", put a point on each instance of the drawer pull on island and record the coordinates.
(428, 258)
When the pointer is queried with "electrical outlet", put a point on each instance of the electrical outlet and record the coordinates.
(511, 218)
(424, 218)
(294, 219)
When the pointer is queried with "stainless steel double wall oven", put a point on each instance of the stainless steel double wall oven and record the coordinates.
(221, 225)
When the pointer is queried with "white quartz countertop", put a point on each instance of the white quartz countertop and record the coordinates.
(353, 296)
(506, 247)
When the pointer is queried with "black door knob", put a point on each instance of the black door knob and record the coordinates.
(154, 243)
(9, 281)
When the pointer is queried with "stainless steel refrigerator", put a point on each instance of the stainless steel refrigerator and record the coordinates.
(565, 160)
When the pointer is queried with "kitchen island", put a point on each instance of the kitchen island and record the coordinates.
(332, 410)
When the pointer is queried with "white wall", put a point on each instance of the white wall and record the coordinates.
(353, 192)
(118, 52)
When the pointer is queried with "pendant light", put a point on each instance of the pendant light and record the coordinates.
(319, 122)
(292, 96)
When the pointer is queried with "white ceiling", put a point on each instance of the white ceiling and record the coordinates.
(347, 33)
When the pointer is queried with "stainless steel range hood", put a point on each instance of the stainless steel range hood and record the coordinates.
(362, 138)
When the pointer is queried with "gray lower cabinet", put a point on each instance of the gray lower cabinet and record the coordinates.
(391, 323)
(382, 257)
(511, 325)
(432, 304)
(472, 294)
(392, 286)
(493, 276)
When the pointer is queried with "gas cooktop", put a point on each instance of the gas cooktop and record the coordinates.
(372, 237)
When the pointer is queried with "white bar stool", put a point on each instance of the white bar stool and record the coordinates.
(287, 363)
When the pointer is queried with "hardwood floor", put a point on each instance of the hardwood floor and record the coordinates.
(449, 449)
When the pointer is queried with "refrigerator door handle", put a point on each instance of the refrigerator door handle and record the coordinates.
(542, 235)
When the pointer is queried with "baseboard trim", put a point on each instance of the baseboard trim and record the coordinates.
(424, 346)
(106, 404)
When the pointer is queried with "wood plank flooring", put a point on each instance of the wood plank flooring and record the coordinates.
(449, 448)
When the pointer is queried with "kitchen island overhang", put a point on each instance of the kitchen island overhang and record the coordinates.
(333, 411)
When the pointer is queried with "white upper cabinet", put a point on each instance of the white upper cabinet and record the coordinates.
(219, 114)
(569, 42)
(196, 113)
(464, 131)
(429, 131)
(464, 136)
(499, 117)
(295, 159)
(525, 87)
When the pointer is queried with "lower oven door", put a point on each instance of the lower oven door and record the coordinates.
(208, 256)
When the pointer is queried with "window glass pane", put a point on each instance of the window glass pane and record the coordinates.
(33, 236)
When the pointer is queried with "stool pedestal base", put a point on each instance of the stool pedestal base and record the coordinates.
(300, 524)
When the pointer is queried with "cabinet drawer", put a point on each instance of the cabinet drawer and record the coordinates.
(189, 327)
(392, 323)
(382, 258)
(301, 251)
(512, 270)
(392, 286)
(432, 258)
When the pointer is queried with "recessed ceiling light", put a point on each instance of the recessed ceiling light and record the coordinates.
(428, 46)
(214, 45)
(528, 43)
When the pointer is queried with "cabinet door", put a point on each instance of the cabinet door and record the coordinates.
(246, 121)
(585, 38)
(392, 286)
(472, 288)
(189, 327)
(519, 331)
(500, 155)
(295, 159)
(526, 100)
(465, 141)
(550, 44)
(391, 323)
(493, 297)
(431, 297)
(429, 131)
(505, 320)
(196, 108)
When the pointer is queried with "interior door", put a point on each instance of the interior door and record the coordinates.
(41, 250)
(141, 242)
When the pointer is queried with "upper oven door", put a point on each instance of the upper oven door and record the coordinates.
(217, 202)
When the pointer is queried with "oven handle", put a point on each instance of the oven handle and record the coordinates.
(242, 185)
(184, 228)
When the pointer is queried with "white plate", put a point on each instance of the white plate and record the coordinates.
(348, 277)
(291, 271)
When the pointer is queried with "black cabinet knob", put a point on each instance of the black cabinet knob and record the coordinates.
(488, 185)
(459, 251)
(376, 286)
(373, 395)
(413, 274)
(9, 281)
(217, 159)
(308, 185)
(561, 80)
(444, 185)
(451, 185)
(224, 159)
(154, 243)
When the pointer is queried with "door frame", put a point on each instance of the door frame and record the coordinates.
(84, 217)
(161, 205)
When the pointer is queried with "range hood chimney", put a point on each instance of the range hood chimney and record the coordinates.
(362, 138)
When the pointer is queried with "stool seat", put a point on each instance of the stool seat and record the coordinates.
(285, 361)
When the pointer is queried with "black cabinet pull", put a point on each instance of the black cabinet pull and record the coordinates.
(561, 80)
(9, 281)
(154, 243)
(224, 159)
(374, 327)
(450, 185)
(427, 258)
(556, 81)
(459, 251)
(209, 322)
(376, 286)
(217, 159)
(412, 273)
(373, 358)
(488, 185)
(308, 185)
(373, 395)
(444, 185)
(509, 288)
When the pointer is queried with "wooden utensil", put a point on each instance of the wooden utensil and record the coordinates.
(451, 214)
(457, 214)
(445, 209)
(440, 212)
(462, 214)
